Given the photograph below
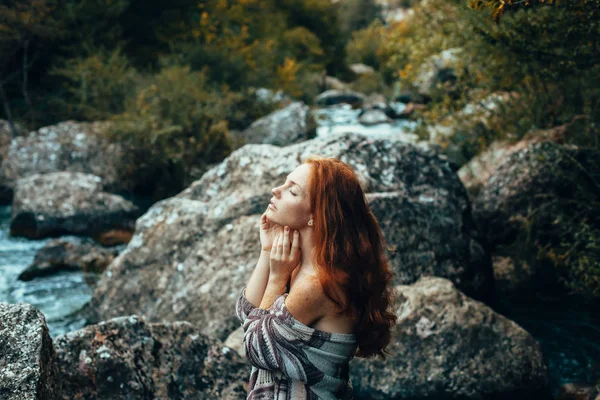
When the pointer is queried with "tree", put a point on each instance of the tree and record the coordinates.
(22, 22)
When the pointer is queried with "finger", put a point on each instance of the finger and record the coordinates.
(295, 245)
(286, 241)
(274, 247)
(280, 245)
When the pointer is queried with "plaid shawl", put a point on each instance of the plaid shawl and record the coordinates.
(291, 360)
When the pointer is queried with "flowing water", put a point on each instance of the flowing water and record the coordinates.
(58, 296)
(568, 334)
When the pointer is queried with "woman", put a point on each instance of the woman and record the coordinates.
(320, 293)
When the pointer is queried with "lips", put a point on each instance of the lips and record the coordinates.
(272, 205)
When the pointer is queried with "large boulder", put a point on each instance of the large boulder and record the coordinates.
(483, 166)
(68, 146)
(61, 203)
(449, 346)
(282, 127)
(539, 208)
(128, 358)
(61, 255)
(27, 359)
(83, 147)
(192, 254)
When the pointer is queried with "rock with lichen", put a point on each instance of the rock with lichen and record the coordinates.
(60, 203)
(192, 254)
(447, 345)
(129, 358)
(27, 359)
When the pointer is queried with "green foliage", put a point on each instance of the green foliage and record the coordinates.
(370, 83)
(174, 117)
(354, 15)
(366, 44)
(96, 84)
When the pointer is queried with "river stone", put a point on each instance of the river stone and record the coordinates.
(129, 358)
(361, 69)
(449, 346)
(332, 97)
(373, 117)
(60, 255)
(282, 127)
(192, 254)
(62, 203)
(27, 359)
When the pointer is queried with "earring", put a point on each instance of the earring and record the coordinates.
(310, 222)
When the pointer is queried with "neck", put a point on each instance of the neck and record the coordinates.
(307, 246)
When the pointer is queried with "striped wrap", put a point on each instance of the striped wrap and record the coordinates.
(291, 360)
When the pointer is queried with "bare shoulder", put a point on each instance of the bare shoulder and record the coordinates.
(306, 300)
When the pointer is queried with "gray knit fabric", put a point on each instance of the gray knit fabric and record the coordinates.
(291, 360)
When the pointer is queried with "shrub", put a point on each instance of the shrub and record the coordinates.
(96, 84)
(175, 118)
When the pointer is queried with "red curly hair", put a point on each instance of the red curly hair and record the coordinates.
(349, 253)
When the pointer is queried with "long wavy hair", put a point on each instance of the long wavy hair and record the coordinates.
(349, 253)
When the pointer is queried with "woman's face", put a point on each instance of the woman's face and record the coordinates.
(290, 204)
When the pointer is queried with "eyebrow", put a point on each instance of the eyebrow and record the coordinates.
(294, 183)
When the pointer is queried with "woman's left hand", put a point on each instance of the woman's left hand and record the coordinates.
(285, 253)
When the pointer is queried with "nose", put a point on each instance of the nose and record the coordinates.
(275, 191)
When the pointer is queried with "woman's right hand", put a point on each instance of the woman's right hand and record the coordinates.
(268, 232)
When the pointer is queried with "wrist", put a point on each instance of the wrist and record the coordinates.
(278, 279)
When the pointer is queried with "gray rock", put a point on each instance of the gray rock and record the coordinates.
(61, 255)
(539, 207)
(268, 96)
(449, 346)
(282, 127)
(540, 174)
(128, 358)
(192, 254)
(235, 341)
(332, 97)
(361, 69)
(27, 359)
(374, 117)
(61, 203)
(480, 168)
(68, 146)
(375, 101)
(331, 82)
(437, 71)
(84, 147)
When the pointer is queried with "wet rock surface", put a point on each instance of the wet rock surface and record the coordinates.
(333, 96)
(59, 203)
(449, 346)
(27, 359)
(192, 254)
(61, 255)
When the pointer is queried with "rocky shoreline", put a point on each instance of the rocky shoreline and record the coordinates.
(163, 307)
